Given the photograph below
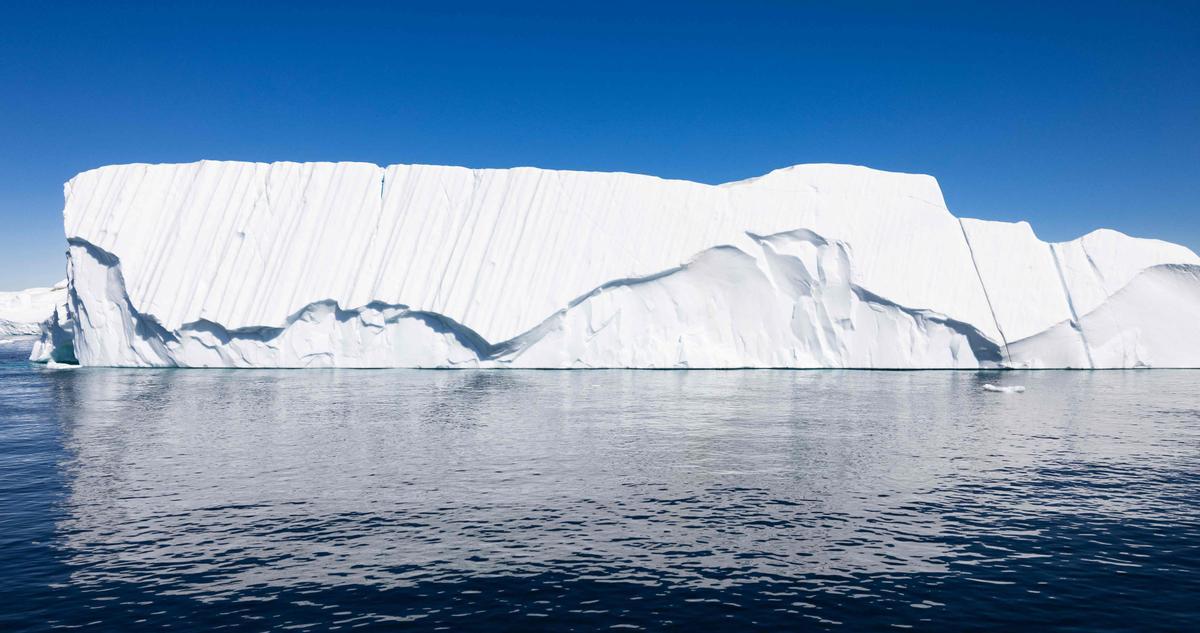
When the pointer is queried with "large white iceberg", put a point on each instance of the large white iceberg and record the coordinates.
(235, 264)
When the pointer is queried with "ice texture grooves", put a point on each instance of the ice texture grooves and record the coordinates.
(991, 309)
(351, 264)
(1153, 321)
(1087, 350)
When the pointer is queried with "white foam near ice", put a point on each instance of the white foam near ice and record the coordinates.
(354, 265)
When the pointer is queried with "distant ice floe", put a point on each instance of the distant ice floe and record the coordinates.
(231, 264)
(22, 312)
(1004, 389)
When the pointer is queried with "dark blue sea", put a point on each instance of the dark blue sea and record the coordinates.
(592, 500)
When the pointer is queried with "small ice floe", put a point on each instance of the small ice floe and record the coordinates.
(1004, 389)
(58, 365)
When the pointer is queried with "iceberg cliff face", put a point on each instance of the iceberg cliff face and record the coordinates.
(351, 264)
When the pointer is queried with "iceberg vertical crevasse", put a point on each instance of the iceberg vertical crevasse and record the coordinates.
(1087, 350)
(983, 287)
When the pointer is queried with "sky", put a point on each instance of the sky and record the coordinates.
(1072, 116)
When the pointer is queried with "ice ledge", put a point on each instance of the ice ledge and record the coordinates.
(803, 313)
(788, 304)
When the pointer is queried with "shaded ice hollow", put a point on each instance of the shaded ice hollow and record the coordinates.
(231, 264)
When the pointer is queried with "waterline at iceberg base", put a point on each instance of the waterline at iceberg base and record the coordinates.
(233, 264)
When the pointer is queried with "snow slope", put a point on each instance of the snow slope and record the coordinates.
(352, 264)
(1153, 321)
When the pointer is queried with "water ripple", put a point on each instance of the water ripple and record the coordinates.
(595, 500)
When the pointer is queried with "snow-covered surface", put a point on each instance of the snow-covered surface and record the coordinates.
(22, 312)
(352, 264)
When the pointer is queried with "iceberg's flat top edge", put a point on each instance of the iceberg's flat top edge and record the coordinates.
(6, 294)
(1094, 234)
(798, 167)
(799, 171)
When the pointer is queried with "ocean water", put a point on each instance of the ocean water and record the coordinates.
(491, 501)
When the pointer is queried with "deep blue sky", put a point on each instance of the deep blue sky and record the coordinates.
(1073, 117)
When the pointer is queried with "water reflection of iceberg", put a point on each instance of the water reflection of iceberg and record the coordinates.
(217, 481)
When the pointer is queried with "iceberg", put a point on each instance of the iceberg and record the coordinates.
(23, 311)
(1004, 388)
(236, 264)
